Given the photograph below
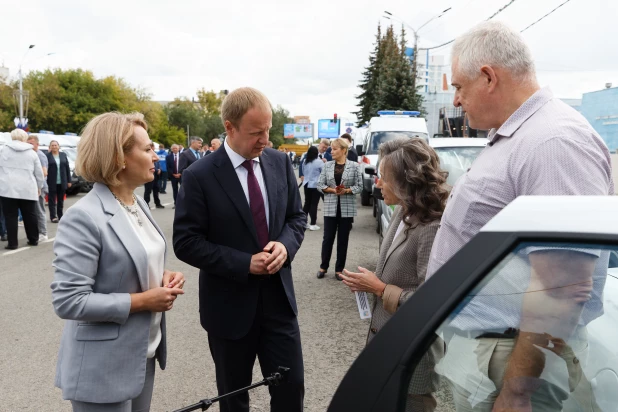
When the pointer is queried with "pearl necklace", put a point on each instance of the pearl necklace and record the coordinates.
(131, 209)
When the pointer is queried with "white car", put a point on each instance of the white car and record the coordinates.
(388, 125)
(456, 156)
(569, 293)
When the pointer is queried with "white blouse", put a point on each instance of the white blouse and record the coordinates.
(155, 249)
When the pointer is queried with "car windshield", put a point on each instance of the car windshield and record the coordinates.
(456, 160)
(377, 138)
(71, 154)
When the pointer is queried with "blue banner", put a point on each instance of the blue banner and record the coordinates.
(327, 129)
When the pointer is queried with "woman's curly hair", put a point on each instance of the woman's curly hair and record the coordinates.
(412, 169)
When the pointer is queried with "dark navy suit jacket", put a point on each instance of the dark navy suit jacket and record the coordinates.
(214, 231)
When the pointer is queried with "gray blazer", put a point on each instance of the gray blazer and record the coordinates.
(351, 178)
(402, 265)
(99, 262)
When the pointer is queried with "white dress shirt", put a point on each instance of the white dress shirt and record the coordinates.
(176, 156)
(155, 249)
(243, 174)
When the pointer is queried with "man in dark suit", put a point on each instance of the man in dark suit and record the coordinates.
(153, 187)
(239, 220)
(173, 167)
(192, 154)
(352, 154)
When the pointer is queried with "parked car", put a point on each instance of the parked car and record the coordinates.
(493, 271)
(456, 156)
(388, 125)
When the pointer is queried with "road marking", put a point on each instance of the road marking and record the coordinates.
(21, 249)
(48, 240)
(167, 204)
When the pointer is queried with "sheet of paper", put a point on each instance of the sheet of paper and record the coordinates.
(362, 300)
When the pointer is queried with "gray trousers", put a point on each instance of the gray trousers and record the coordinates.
(41, 215)
(139, 404)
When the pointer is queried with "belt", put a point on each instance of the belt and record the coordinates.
(509, 333)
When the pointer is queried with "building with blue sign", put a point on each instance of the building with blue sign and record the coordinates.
(600, 108)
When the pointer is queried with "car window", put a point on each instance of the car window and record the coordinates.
(456, 160)
(71, 154)
(377, 138)
(540, 330)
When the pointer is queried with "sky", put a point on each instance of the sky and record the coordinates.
(306, 56)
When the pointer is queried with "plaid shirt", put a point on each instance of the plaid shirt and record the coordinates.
(351, 179)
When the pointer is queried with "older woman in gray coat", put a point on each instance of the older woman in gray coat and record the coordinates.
(411, 179)
(21, 181)
(110, 281)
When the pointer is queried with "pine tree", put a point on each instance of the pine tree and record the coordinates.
(387, 83)
(409, 97)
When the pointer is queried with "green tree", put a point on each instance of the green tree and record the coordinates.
(65, 100)
(281, 116)
(159, 129)
(7, 110)
(182, 113)
(387, 83)
(210, 101)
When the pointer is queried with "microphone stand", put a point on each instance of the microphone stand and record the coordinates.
(273, 380)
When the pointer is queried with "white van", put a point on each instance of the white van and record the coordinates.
(389, 125)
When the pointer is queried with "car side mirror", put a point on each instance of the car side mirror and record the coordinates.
(377, 193)
(359, 150)
(370, 170)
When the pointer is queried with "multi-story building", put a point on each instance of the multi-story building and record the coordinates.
(600, 108)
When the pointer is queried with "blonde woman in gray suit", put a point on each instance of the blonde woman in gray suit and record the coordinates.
(110, 281)
(410, 179)
(340, 181)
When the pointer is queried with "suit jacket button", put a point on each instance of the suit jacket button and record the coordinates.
(575, 361)
(374, 330)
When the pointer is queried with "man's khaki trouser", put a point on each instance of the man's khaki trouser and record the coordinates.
(475, 368)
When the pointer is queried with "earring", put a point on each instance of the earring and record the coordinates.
(124, 166)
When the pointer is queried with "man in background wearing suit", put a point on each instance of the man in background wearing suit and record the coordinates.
(239, 220)
(189, 156)
(173, 162)
(324, 150)
(352, 154)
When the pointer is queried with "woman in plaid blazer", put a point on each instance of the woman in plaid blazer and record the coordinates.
(411, 179)
(340, 181)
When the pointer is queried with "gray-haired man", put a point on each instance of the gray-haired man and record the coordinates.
(34, 141)
(191, 155)
(538, 146)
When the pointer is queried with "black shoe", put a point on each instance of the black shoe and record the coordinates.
(163, 193)
(160, 207)
(33, 243)
(321, 274)
(10, 247)
(4, 238)
(338, 277)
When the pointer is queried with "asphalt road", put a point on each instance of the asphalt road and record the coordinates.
(332, 333)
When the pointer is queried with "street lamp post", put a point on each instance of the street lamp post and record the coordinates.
(416, 38)
(21, 89)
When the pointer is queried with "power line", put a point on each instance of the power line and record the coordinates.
(494, 15)
(491, 17)
(545, 15)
